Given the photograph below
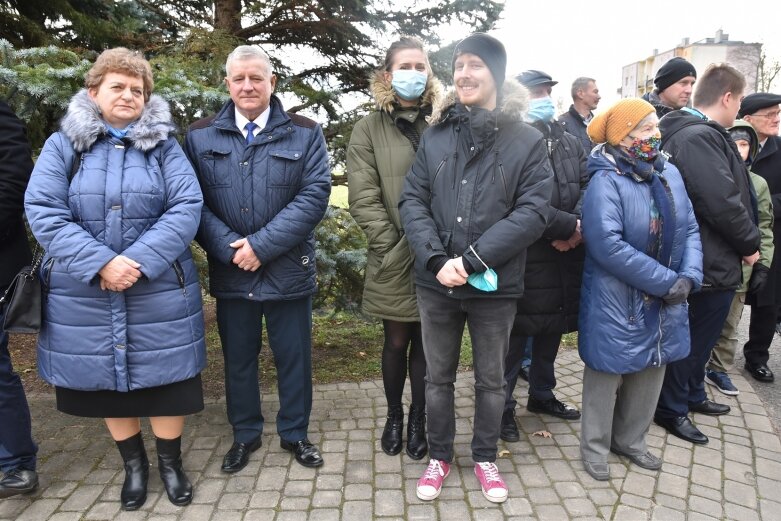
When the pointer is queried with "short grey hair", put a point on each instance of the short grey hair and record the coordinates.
(580, 84)
(247, 52)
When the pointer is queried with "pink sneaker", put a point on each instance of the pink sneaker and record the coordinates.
(494, 488)
(430, 485)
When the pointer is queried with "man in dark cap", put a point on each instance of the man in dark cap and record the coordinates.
(761, 111)
(674, 83)
(554, 264)
(474, 200)
(585, 98)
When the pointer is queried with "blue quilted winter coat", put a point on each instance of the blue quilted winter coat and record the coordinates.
(619, 278)
(138, 197)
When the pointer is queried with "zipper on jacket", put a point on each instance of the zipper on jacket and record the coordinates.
(48, 267)
(504, 181)
(659, 343)
(179, 275)
(436, 174)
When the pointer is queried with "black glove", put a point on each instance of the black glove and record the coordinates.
(758, 278)
(679, 291)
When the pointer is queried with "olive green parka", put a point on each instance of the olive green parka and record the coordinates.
(378, 158)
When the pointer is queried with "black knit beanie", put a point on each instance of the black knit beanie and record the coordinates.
(672, 72)
(489, 49)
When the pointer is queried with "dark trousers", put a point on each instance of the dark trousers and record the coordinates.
(289, 331)
(17, 448)
(761, 329)
(684, 380)
(542, 378)
(442, 321)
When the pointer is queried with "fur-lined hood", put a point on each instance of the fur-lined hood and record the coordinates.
(513, 103)
(385, 98)
(83, 123)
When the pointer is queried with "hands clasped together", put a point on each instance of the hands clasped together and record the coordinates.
(119, 274)
(575, 239)
(245, 257)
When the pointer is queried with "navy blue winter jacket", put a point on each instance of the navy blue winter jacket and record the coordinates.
(619, 275)
(136, 197)
(273, 191)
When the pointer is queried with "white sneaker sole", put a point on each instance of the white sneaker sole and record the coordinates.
(435, 495)
(495, 499)
(723, 391)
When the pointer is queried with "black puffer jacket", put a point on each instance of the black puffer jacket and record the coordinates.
(15, 168)
(720, 191)
(552, 280)
(654, 99)
(574, 124)
(483, 179)
(767, 164)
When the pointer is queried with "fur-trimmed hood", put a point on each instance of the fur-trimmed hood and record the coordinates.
(83, 123)
(514, 102)
(385, 98)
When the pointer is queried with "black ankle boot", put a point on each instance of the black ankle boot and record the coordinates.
(169, 459)
(136, 472)
(416, 433)
(394, 426)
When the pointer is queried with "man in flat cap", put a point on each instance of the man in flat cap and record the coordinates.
(761, 110)
(585, 98)
(554, 264)
(674, 83)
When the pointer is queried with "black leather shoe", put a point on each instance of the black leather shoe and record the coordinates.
(709, 407)
(682, 427)
(760, 372)
(417, 446)
(237, 456)
(553, 407)
(509, 431)
(306, 453)
(391, 434)
(169, 461)
(18, 481)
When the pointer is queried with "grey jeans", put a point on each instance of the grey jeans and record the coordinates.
(490, 321)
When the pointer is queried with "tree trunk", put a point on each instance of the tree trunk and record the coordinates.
(227, 15)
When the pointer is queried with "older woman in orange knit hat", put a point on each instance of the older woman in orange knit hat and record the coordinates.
(643, 257)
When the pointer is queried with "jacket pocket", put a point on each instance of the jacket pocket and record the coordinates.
(397, 261)
(216, 168)
(634, 311)
(282, 164)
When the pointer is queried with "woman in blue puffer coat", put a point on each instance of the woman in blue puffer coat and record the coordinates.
(643, 257)
(115, 203)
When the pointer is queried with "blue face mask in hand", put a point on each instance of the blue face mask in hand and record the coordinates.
(541, 109)
(408, 84)
(485, 281)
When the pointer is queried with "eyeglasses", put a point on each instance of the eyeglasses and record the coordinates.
(768, 115)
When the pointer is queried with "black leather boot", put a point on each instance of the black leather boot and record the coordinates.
(136, 472)
(417, 446)
(391, 434)
(169, 459)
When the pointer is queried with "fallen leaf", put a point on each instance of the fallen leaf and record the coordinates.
(362, 354)
(544, 434)
(504, 453)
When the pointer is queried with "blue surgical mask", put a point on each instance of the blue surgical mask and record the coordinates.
(541, 109)
(409, 84)
(485, 281)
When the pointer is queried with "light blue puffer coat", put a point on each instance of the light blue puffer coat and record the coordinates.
(618, 275)
(138, 197)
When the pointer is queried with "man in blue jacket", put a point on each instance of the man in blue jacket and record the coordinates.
(266, 181)
(17, 449)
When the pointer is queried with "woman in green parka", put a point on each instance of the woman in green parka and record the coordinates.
(381, 151)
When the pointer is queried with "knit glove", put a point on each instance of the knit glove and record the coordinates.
(679, 291)
(758, 278)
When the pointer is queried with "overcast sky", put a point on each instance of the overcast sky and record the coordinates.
(568, 39)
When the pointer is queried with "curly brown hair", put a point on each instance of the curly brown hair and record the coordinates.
(125, 61)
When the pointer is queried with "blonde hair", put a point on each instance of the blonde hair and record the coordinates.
(120, 59)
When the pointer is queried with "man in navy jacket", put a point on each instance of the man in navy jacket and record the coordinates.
(265, 179)
(17, 449)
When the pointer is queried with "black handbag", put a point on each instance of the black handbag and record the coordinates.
(21, 302)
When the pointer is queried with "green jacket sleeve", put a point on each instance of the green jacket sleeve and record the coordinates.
(765, 206)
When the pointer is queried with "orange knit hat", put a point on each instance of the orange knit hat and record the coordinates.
(618, 121)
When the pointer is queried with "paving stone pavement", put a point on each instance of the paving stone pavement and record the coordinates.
(736, 476)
